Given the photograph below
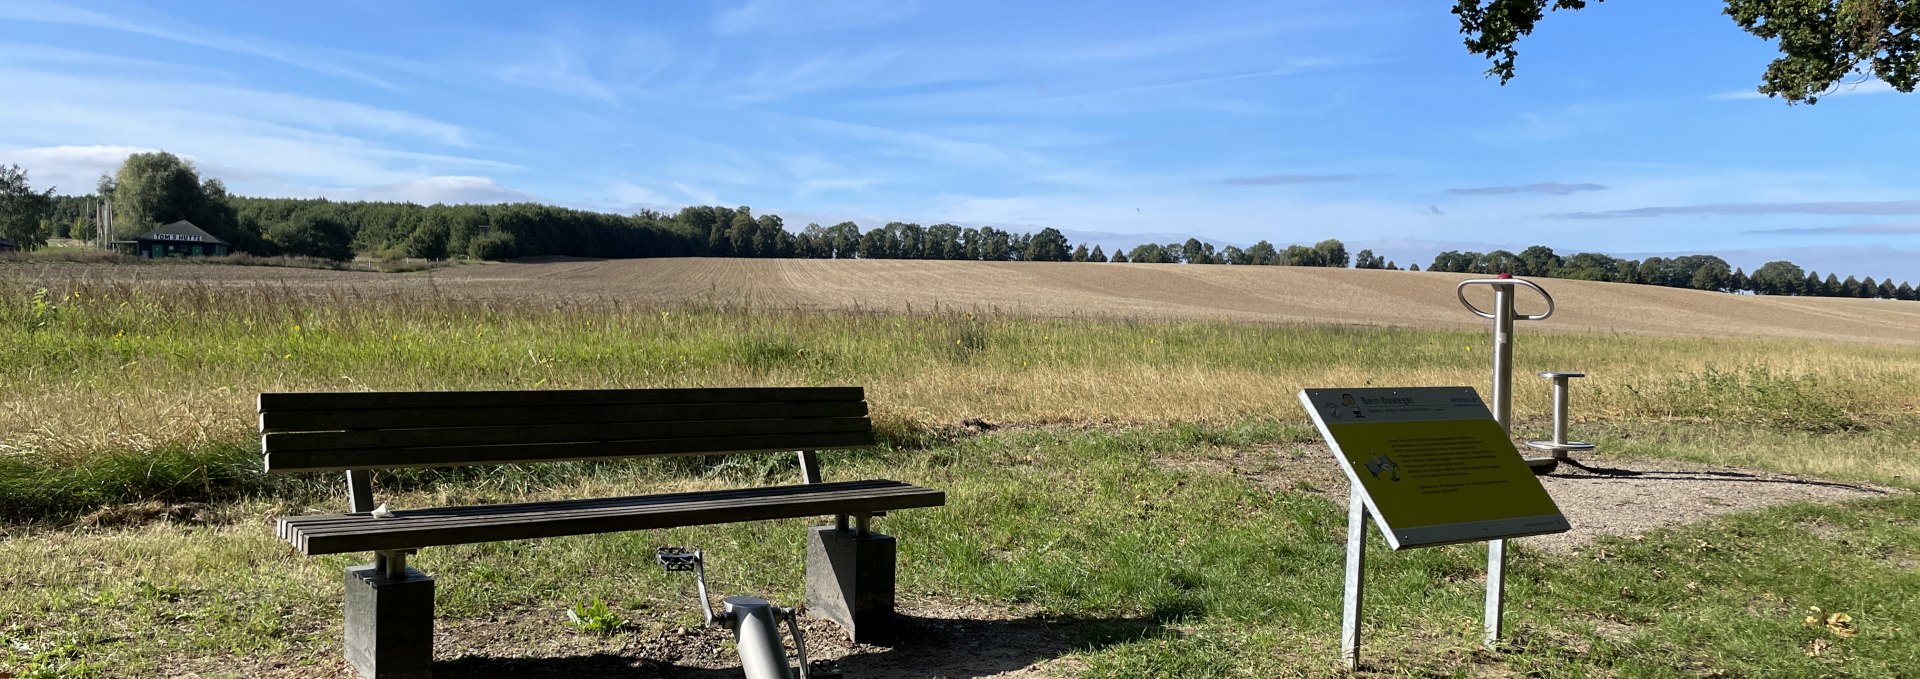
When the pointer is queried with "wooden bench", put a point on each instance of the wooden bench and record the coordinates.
(389, 606)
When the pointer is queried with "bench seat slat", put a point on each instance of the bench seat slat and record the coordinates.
(572, 397)
(363, 524)
(411, 529)
(508, 519)
(448, 456)
(550, 433)
(540, 412)
(320, 521)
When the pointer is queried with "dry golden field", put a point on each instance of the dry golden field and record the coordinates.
(1078, 452)
(1074, 290)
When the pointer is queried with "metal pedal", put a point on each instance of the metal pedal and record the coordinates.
(824, 669)
(677, 559)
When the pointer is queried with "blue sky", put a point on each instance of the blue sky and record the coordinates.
(1632, 127)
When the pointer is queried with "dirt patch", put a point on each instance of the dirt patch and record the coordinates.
(936, 640)
(147, 512)
(1598, 496)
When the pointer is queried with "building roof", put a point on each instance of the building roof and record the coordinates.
(182, 230)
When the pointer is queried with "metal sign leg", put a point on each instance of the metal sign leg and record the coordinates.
(1356, 563)
(1496, 589)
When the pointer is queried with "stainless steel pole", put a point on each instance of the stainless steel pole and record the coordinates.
(1356, 562)
(1503, 317)
(1503, 414)
(1560, 414)
(1503, 356)
(1496, 590)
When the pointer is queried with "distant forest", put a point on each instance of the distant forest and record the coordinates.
(158, 188)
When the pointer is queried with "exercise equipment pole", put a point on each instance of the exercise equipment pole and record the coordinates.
(1503, 316)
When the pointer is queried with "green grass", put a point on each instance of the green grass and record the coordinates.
(1164, 571)
(122, 399)
(123, 392)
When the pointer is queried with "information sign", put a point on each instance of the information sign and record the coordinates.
(1432, 465)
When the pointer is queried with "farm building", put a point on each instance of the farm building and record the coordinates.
(179, 239)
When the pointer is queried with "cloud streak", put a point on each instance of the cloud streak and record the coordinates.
(1290, 179)
(1843, 207)
(797, 16)
(449, 190)
(1888, 229)
(198, 36)
(1839, 90)
(1549, 188)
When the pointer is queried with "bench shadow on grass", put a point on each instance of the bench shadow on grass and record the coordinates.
(927, 647)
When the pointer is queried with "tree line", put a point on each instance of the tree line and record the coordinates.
(151, 189)
(1697, 272)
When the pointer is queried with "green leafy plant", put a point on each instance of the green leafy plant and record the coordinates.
(596, 618)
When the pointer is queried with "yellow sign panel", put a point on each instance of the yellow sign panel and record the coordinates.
(1434, 467)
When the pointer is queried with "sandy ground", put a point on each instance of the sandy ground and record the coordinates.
(1141, 291)
(1598, 496)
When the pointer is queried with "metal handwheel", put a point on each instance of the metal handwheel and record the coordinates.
(1461, 292)
(1503, 317)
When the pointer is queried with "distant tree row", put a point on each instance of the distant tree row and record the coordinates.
(151, 189)
(1327, 253)
(1697, 272)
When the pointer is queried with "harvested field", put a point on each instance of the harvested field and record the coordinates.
(1046, 289)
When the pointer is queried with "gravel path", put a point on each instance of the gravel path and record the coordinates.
(1599, 496)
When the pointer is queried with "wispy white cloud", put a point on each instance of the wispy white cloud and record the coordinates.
(1849, 89)
(811, 187)
(836, 69)
(629, 193)
(1884, 229)
(1841, 207)
(888, 141)
(698, 195)
(256, 140)
(70, 170)
(558, 66)
(159, 26)
(36, 88)
(1549, 188)
(21, 55)
(429, 190)
(802, 16)
(1286, 179)
(1175, 41)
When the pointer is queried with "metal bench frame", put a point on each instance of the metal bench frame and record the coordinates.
(389, 605)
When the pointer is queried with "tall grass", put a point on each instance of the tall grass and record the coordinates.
(92, 373)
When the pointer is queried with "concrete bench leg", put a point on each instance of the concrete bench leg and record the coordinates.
(389, 624)
(850, 581)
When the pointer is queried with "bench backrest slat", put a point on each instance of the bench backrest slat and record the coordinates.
(274, 422)
(386, 400)
(332, 431)
(454, 456)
